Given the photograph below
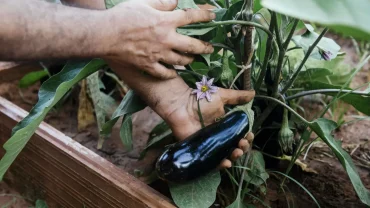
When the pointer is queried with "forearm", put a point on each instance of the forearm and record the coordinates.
(37, 30)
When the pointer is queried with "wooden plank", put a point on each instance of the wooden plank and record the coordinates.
(66, 174)
(10, 71)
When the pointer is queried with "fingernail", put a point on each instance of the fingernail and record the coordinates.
(212, 15)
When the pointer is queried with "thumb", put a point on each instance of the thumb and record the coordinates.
(162, 5)
(235, 97)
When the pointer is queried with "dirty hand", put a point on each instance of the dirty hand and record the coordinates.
(145, 36)
(173, 100)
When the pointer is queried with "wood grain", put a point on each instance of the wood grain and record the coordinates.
(66, 174)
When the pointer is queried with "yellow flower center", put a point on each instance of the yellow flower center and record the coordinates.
(204, 88)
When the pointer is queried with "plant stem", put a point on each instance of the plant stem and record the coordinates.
(267, 57)
(248, 54)
(284, 105)
(291, 33)
(277, 32)
(308, 53)
(359, 67)
(230, 22)
(227, 4)
(323, 91)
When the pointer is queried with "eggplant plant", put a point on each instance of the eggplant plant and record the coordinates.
(266, 45)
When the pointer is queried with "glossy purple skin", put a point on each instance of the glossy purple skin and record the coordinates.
(203, 151)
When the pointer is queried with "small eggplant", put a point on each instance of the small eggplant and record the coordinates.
(204, 150)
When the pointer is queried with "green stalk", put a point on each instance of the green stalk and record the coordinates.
(324, 91)
(267, 57)
(230, 22)
(308, 53)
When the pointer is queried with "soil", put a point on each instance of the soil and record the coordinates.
(328, 182)
(9, 198)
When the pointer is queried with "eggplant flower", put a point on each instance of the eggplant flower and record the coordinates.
(204, 89)
(326, 55)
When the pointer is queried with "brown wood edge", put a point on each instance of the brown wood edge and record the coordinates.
(10, 71)
(58, 169)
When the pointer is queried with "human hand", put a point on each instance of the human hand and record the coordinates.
(173, 100)
(145, 36)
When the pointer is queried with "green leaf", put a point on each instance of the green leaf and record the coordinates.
(131, 103)
(109, 104)
(199, 193)
(312, 74)
(257, 174)
(111, 3)
(341, 71)
(98, 102)
(51, 91)
(186, 4)
(125, 132)
(31, 78)
(326, 45)
(199, 67)
(238, 203)
(189, 31)
(345, 16)
(40, 204)
(323, 128)
(262, 17)
(361, 103)
(158, 133)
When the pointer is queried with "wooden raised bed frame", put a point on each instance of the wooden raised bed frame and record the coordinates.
(61, 171)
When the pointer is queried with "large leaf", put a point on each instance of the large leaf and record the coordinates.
(346, 16)
(41, 204)
(186, 4)
(125, 132)
(323, 128)
(31, 78)
(85, 115)
(238, 203)
(111, 3)
(341, 71)
(325, 46)
(94, 92)
(158, 133)
(131, 103)
(51, 91)
(257, 174)
(199, 193)
(361, 103)
(201, 28)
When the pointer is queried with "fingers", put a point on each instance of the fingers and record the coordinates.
(190, 16)
(161, 72)
(162, 5)
(190, 45)
(235, 97)
(176, 59)
(225, 164)
(250, 137)
(244, 145)
(236, 154)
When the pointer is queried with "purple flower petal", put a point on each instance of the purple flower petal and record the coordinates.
(208, 96)
(203, 95)
(213, 89)
(199, 95)
(204, 80)
(210, 82)
(199, 85)
(195, 91)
